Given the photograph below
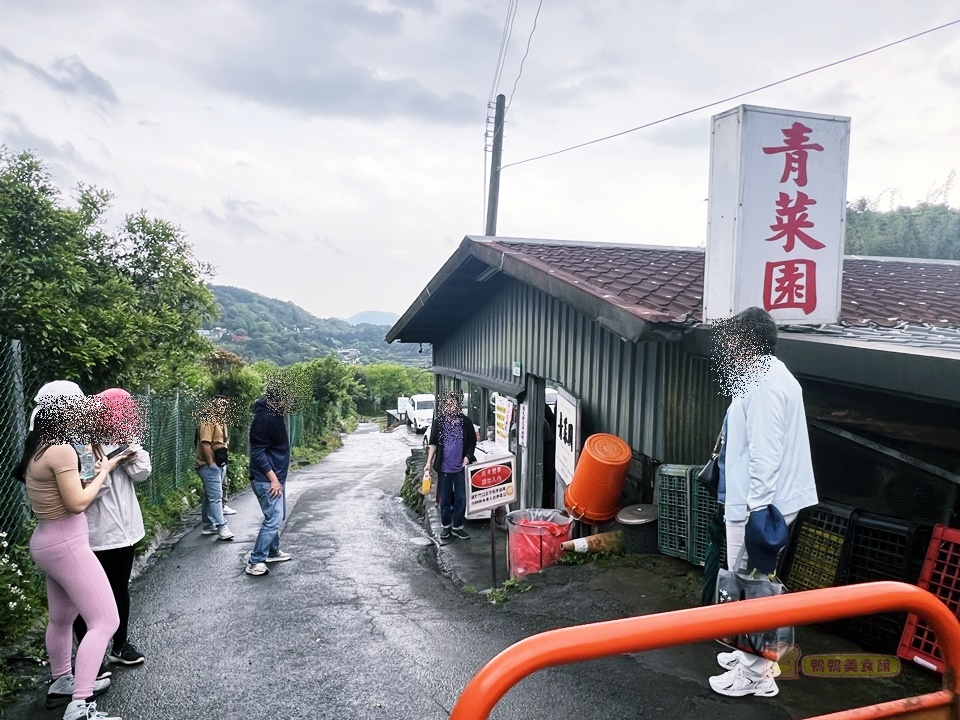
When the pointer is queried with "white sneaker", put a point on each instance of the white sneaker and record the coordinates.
(729, 660)
(279, 557)
(257, 569)
(208, 531)
(60, 691)
(227, 510)
(81, 710)
(736, 683)
(224, 533)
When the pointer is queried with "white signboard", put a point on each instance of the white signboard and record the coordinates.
(504, 416)
(402, 405)
(522, 425)
(491, 483)
(778, 185)
(568, 435)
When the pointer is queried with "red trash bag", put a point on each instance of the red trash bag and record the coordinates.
(534, 539)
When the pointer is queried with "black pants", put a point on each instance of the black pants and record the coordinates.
(117, 564)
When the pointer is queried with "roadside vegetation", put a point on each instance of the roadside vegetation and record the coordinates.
(122, 307)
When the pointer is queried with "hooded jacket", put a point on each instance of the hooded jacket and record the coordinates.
(114, 518)
(269, 444)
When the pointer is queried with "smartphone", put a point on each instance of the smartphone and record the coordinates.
(119, 451)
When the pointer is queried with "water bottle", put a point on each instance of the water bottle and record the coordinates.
(88, 464)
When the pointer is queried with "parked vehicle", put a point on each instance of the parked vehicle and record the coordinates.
(420, 411)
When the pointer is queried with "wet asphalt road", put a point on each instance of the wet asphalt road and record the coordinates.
(360, 624)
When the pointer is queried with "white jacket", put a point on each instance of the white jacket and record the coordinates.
(767, 458)
(114, 518)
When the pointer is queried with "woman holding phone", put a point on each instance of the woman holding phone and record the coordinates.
(114, 518)
(76, 582)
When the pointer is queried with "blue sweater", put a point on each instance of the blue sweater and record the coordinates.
(269, 444)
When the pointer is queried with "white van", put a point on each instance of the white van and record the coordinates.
(420, 411)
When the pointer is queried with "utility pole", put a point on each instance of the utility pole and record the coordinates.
(494, 197)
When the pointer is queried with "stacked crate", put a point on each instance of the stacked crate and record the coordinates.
(881, 548)
(684, 512)
(673, 510)
(940, 576)
(703, 506)
(817, 547)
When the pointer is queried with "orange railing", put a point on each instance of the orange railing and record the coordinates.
(650, 632)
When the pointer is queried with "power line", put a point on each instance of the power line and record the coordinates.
(505, 38)
(735, 97)
(526, 52)
(504, 44)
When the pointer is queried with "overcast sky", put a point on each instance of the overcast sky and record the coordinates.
(329, 152)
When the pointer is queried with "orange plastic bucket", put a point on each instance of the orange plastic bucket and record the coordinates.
(597, 485)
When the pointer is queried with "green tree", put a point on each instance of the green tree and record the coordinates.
(930, 229)
(383, 383)
(98, 308)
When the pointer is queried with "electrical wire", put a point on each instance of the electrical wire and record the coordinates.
(505, 38)
(504, 44)
(526, 52)
(734, 97)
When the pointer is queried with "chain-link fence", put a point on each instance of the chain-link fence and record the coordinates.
(169, 437)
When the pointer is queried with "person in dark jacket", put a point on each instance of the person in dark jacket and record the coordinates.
(453, 442)
(269, 461)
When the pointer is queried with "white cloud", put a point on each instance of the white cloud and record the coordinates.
(330, 153)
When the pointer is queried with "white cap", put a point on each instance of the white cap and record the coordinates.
(55, 389)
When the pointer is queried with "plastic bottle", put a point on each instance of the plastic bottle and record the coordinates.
(426, 485)
(88, 464)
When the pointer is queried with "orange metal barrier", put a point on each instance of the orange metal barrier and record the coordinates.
(680, 627)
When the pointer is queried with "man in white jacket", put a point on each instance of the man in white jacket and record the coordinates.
(765, 460)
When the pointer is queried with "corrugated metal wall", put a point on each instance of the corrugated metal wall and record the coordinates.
(651, 394)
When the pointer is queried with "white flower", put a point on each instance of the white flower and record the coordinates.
(11, 605)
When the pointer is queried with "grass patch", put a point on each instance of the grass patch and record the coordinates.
(168, 511)
(602, 559)
(314, 451)
(502, 594)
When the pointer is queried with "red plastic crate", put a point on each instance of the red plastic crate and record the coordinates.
(940, 576)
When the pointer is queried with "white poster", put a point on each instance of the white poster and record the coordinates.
(568, 435)
(504, 416)
(778, 181)
(522, 425)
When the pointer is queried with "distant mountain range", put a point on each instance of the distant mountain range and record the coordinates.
(261, 328)
(374, 317)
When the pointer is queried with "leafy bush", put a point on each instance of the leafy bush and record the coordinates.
(22, 592)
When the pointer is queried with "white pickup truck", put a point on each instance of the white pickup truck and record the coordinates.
(420, 411)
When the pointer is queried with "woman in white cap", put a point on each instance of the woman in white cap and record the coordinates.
(76, 582)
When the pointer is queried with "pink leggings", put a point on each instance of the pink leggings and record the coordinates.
(76, 584)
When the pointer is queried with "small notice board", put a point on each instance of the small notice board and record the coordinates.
(491, 483)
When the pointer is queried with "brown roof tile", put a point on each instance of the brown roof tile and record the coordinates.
(666, 284)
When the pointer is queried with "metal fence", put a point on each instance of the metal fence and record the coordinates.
(169, 435)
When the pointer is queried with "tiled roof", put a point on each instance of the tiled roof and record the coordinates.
(666, 284)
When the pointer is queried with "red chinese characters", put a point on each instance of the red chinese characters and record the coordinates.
(796, 147)
(792, 283)
(793, 222)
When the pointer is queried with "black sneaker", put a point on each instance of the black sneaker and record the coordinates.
(444, 533)
(461, 533)
(127, 655)
(104, 672)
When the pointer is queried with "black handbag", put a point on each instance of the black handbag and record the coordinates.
(709, 476)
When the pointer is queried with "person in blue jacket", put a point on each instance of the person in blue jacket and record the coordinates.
(269, 461)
